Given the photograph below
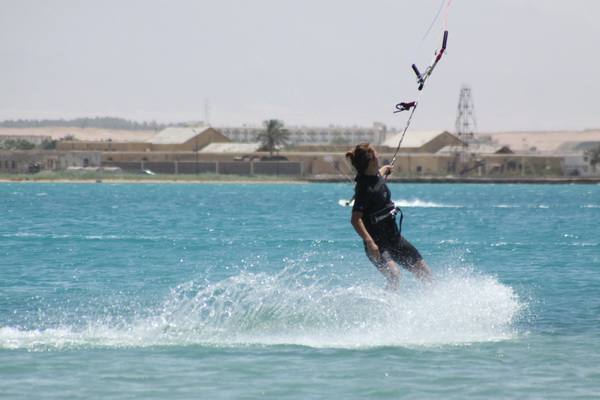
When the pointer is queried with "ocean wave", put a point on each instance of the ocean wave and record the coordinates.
(542, 206)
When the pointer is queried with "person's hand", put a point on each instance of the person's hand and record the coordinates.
(387, 170)
(373, 250)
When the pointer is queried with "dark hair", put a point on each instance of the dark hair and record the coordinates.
(361, 156)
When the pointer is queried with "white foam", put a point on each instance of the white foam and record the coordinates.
(407, 203)
(423, 204)
(298, 309)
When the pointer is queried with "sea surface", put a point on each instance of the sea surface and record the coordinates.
(263, 291)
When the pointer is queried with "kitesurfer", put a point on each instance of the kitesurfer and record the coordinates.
(374, 220)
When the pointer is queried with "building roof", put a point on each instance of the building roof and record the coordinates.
(576, 147)
(477, 149)
(233, 147)
(176, 135)
(412, 139)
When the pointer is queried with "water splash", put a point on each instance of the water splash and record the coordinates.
(296, 307)
(407, 203)
(422, 204)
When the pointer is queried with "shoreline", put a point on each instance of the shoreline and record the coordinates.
(316, 179)
(484, 180)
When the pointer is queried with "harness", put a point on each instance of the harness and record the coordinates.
(385, 213)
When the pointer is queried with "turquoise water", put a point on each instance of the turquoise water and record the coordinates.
(245, 291)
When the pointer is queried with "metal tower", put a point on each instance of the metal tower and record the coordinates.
(466, 128)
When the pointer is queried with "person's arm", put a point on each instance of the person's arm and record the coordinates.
(359, 227)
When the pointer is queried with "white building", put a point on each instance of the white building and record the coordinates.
(580, 165)
(313, 135)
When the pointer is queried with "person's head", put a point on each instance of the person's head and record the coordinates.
(362, 156)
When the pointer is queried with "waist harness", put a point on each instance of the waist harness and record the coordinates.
(385, 213)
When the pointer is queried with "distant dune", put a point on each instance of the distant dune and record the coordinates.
(545, 142)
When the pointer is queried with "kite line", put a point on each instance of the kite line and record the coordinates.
(423, 77)
(421, 81)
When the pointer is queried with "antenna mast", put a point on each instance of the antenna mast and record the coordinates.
(466, 128)
(206, 112)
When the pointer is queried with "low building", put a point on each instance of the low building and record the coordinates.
(580, 165)
(200, 163)
(195, 150)
(170, 139)
(186, 139)
(573, 147)
(422, 141)
(30, 161)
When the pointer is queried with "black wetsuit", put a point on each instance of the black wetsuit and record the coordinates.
(373, 197)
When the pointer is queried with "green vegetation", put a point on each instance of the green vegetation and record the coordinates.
(16, 144)
(98, 122)
(22, 144)
(594, 154)
(274, 135)
(49, 144)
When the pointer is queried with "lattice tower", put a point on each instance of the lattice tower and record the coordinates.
(466, 127)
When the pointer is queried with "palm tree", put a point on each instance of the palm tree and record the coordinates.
(594, 155)
(273, 135)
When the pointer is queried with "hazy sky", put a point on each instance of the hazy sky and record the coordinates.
(531, 64)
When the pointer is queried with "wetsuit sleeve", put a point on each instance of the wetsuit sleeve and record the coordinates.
(360, 201)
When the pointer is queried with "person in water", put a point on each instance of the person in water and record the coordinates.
(374, 220)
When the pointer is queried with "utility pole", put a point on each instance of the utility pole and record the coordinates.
(523, 157)
(206, 112)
